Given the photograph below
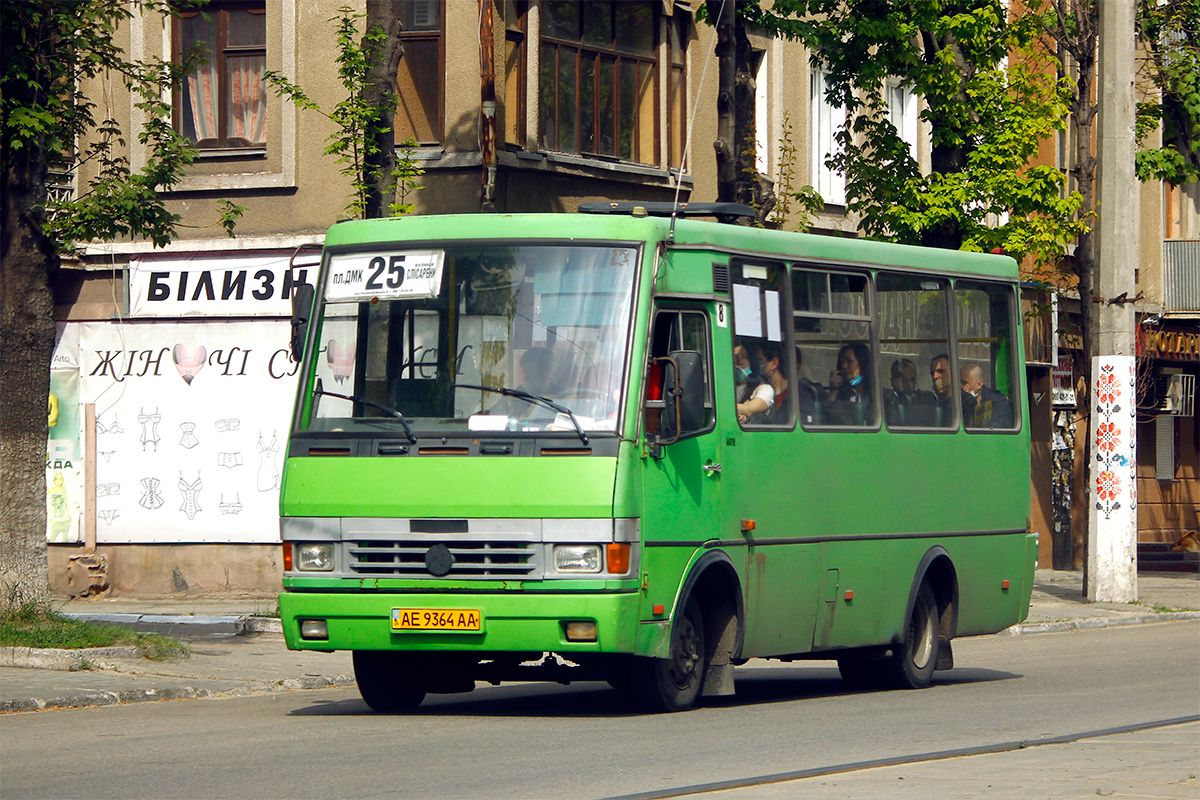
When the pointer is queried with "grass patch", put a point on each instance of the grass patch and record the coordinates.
(39, 625)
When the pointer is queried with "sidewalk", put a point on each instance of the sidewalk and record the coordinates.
(235, 652)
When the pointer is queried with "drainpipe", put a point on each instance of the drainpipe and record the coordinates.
(487, 106)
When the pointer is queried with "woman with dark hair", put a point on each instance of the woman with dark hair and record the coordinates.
(850, 382)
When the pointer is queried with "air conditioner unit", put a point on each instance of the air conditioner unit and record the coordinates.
(1177, 392)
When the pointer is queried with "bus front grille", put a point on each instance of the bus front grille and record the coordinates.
(472, 559)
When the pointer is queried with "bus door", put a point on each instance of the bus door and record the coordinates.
(682, 476)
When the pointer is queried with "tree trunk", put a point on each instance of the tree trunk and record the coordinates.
(26, 345)
(752, 188)
(722, 16)
(381, 91)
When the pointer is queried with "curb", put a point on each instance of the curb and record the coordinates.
(1090, 623)
(66, 660)
(102, 698)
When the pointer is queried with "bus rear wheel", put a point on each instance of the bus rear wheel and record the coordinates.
(912, 663)
(387, 681)
(673, 683)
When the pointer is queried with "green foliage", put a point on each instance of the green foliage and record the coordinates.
(806, 200)
(405, 175)
(36, 624)
(52, 51)
(1171, 32)
(985, 116)
(358, 121)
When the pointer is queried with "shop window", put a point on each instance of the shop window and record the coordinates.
(598, 66)
(987, 355)
(835, 373)
(919, 390)
(222, 103)
(421, 76)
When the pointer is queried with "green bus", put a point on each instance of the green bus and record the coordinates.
(640, 446)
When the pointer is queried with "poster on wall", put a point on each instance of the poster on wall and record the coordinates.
(64, 459)
(191, 423)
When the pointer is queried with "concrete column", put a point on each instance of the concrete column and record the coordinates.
(1112, 524)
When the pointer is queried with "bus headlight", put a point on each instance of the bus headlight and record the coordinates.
(577, 557)
(317, 557)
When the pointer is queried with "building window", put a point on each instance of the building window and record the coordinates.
(419, 80)
(515, 20)
(223, 101)
(598, 79)
(902, 113)
(827, 120)
(677, 91)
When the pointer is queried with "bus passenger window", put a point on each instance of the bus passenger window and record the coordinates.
(832, 344)
(986, 356)
(761, 368)
(914, 348)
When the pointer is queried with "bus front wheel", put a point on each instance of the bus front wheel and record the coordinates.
(912, 663)
(673, 683)
(387, 681)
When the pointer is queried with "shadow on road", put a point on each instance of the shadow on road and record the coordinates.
(588, 699)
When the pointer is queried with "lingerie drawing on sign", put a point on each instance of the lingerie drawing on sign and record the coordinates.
(232, 507)
(107, 454)
(109, 427)
(341, 361)
(108, 515)
(189, 362)
(227, 425)
(149, 423)
(109, 489)
(229, 460)
(191, 498)
(189, 439)
(151, 498)
(268, 473)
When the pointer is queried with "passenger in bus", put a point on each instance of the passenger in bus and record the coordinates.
(943, 386)
(537, 367)
(904, 403)
(983, 406)
(806, 392)
(755, 397)
(770, 369)
(849, 385)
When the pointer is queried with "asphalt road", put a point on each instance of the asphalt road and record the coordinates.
(587, 741)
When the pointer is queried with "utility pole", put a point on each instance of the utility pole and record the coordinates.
(1112, 518)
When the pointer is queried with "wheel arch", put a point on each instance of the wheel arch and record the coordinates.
(938, 567)
(714, 583)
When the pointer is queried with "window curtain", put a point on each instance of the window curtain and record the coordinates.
(202, 102)
(247, 99)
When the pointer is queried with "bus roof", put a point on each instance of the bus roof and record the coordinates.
(690, 233)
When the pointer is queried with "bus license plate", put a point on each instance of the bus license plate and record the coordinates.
(437, 619)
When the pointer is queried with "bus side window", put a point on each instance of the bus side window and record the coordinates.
(913, 337)
(835, 363)
(762, 370)
(986, 356)
(672, 331)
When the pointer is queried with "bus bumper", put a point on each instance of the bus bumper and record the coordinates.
(509, 623)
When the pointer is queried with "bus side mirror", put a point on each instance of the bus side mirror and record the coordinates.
(683, 394)
(303, 295)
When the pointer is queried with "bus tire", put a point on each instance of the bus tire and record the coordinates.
(387, 681)
(912, 663)
(673, 683)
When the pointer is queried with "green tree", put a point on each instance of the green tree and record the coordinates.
(51, 52)
(989, 99)
(1171, 34)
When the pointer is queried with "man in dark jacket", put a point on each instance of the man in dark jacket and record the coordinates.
(983, 406)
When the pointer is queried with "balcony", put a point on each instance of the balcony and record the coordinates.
(1181, 277)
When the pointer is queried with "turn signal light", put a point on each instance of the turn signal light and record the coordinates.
(748, 525)
(287, 556)
(617, 557)
(581, 631)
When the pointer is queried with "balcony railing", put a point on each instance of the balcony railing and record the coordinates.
(1181, 276)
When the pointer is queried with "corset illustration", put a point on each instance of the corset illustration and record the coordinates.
(189, 439)
(149, 423)
(268, 473)
(190, 492)
(151, 499)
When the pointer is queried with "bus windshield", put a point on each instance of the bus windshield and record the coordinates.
(475, 338)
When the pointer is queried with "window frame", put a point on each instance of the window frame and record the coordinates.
(828, 183)
(947, 291)
(786, 342)
(218, 10)
(580, 50)
(679, 308)
(437, 125)
(1015, 358)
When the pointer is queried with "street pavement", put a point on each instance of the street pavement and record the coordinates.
(236, 652)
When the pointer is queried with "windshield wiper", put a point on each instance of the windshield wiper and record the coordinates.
(536, 399)
(391, 412)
